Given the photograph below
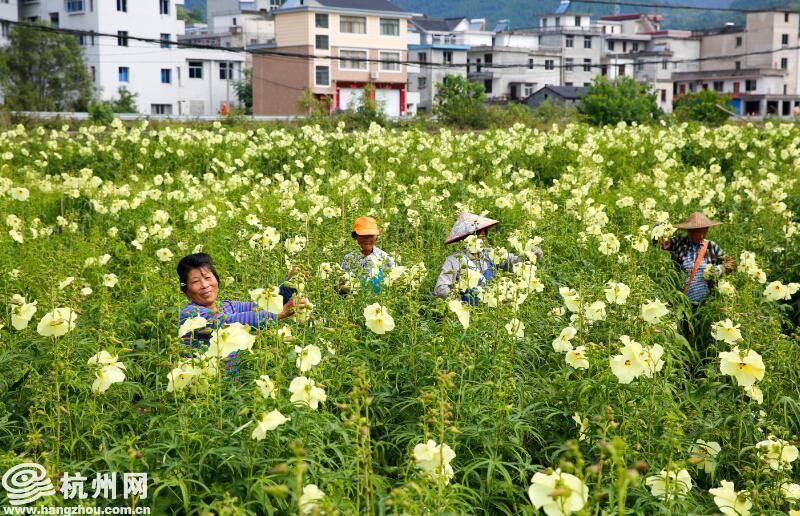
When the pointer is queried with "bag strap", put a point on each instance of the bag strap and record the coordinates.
(700, 255)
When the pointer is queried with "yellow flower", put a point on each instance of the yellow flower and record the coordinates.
(21, 312)
(562, 342)
(110, 280)
(516, 328)
(571, 298)
(57, 323)
(777, 291)
(583, 426)
(726, 331)
(558, 493)
(791, 491)
(729, 501)
(616, 293)
(630, 363)
(307, 357)
(747, 367)
(180, 377)
(653, 311)
(434, 460)
(268, 422)
(103, 358)
(267, 386)
(778, 453)
(667, 484)
(106, 376)
(164, 254)
(577, 358)
(234, 337)
(311, 494)
(191, 324)
(378, 319)
(304, 390)
(704, 454)
(461, 310)
(754, 393)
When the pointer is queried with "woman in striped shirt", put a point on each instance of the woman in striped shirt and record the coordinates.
(200, 283)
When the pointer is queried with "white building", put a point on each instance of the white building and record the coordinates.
(8, 11)
(166, 79)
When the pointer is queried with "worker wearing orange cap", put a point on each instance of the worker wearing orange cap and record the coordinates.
(370, 261)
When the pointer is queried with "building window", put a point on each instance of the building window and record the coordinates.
(587, 65)
(638, 67)
(750, 85)
(321, 21)
(487, 59)
(163, 7)
(160, 109)
(738, 65)
(94, 74)
(390, 61)
(610, 45)
(544, 23)
(166, 76)
(587, 42)
(422, 57)
(718, 85)
(785, 17)
(75, 6)
(577, 21)
(568, 83)
(322, 76)
(569, 42)
(738, 41)
(54, 20)
(568, 64)
(165, 40)
(621, 70)
(422, 83)
(195, 69)
(447, 57)
(226, 71)
(353, 59)
(663, 95)
(321, 42)
(528, 89)
(664, 64)
(784, 63)
(487, 85)
(122, 6)
(123, 74)
(353, 24)
(784, 40)
(635, 46)
(122, 38)
(549, 64)
(530, 64)
(390, 27)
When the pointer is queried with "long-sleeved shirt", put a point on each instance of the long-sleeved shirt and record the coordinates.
(245, 312)
(684, 254)
(356, 264)
(453, 264)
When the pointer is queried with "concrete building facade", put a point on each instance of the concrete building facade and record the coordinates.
(167, 80)
(9, 10)
(333, 49)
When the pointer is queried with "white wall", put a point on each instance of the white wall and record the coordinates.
(8, 11)
(144, 60)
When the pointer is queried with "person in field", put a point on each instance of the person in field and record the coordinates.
(701, 260)
(466, 260)
(199, 281)
(369, 263)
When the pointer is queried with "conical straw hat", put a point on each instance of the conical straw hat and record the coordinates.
(697, 220)
(467, 224)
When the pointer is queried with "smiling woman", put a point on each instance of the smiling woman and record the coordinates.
(200, 282)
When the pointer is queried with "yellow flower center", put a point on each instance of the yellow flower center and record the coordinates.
(628, 363)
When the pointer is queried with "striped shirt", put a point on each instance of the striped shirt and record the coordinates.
(245, 312)
(456, 262)
(684, 254)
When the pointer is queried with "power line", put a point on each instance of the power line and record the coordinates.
(428, 64)
(675, 6)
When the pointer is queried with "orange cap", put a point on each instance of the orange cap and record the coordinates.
(366, 226)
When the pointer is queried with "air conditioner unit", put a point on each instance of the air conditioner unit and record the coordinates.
(373, 76)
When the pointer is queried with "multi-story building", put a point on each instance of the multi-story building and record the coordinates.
(442, 50)
(333, 49)
(166, 79)
(756, 64)
(8, 11)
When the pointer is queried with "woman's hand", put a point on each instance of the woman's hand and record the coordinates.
(289, 308)
(728, 261)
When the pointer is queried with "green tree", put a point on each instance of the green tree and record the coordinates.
(461, 102)
(44, 71)
(190, 16)
(623, 100)
(704, 106)
(126, 103)
(244, 89)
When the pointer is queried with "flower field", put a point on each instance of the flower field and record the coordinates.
(569, 388)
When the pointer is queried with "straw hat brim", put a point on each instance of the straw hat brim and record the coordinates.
(698, 225)
(462, 237)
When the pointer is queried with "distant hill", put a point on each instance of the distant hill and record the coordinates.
(191, 5)
(525, 13)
